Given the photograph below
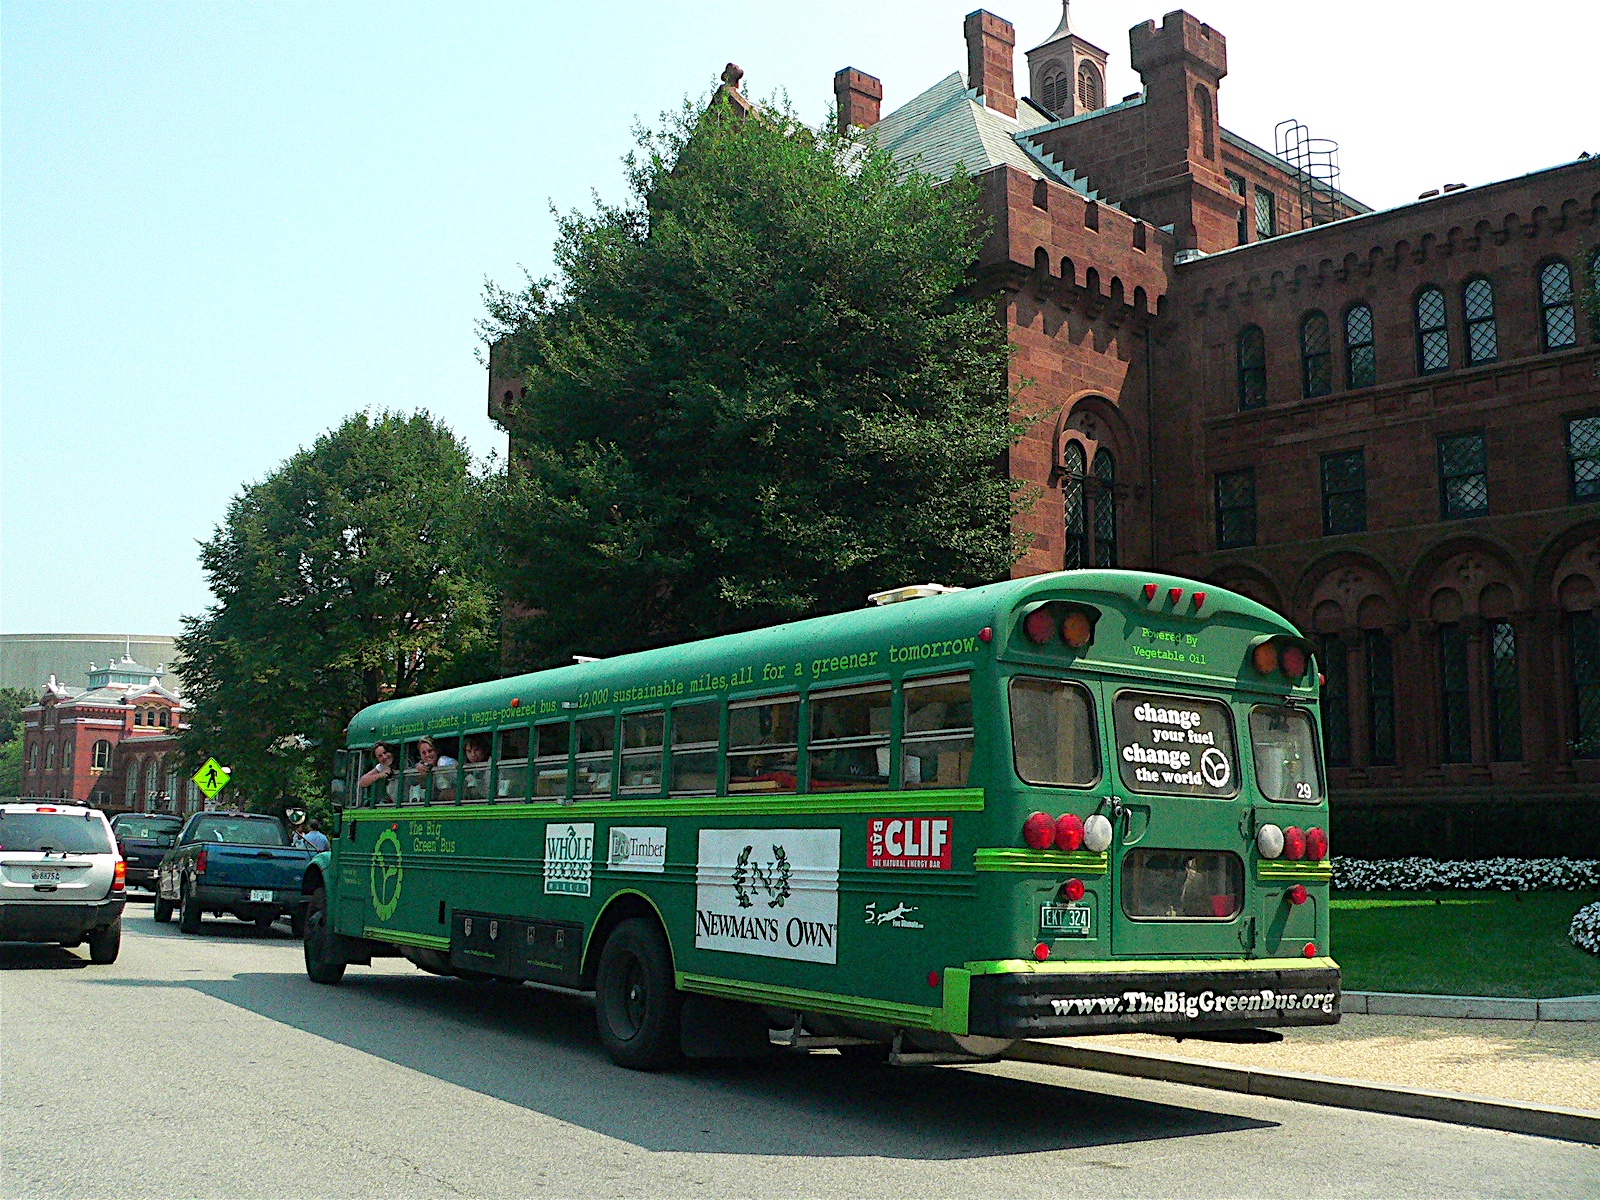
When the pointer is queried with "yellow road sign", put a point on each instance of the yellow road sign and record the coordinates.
(212, 778)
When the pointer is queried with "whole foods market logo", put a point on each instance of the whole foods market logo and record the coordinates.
(387, 874)
(568, 859)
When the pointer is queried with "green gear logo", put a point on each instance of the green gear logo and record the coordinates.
(387, 874)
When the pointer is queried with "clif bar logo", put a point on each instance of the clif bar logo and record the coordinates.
(909, 843)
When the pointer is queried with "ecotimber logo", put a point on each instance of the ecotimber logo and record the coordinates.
(568, 859)
(638, 849)
(1197, 1004)
(771, 892)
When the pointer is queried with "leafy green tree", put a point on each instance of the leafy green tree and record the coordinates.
(756, 391)
(355, 572)
(12, 702)
(11, 760)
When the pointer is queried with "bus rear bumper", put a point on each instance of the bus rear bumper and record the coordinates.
(1188, 998)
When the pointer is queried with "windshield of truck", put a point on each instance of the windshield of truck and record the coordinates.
(56, 832)
(1175, 745)
(1285, 745)
(161, 830)
(239, 831)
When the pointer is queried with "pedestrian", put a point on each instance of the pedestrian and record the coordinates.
(314, 839)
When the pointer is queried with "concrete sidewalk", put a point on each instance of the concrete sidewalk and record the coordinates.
(1532, 1062)
(1498, 1008)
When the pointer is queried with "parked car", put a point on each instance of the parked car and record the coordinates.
(143, 839)
(61, 878)
(232, 862)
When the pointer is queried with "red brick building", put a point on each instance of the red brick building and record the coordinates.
(113, 744)
(1385, 425)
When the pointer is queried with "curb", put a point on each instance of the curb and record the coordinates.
(1565, 1124)
(1486, 1008)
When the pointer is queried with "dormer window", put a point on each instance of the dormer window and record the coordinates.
(164, 718)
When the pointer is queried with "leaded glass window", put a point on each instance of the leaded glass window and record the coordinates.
(1463, 476)
(1380, 699)
(1433, 339)
(1583, 651)
(1105, 510)
(1456, 707)
(1335, 700)
(1583, 458)
(1505, 728)
(1360, 356)
(1236, 508)
(1236, 186)
(1252, 367)
(1477, 310)
(1344, 492)
(1266, 214)
(1316, 356)
(1560, 321)
(1076, 552)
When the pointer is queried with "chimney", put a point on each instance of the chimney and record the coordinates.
(990, 43)
(859, 97)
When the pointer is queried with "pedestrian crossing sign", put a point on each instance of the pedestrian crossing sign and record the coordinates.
(212, 778)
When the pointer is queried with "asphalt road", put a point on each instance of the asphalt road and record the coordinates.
(210, 1066)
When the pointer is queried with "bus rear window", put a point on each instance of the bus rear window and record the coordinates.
(1182, 885)
(1285, 747)
(1052, 732)
(1175, 745)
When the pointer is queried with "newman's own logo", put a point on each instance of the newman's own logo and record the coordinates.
(773, 892)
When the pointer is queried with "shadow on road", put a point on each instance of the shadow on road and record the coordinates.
(539, 1050)
(26, 956)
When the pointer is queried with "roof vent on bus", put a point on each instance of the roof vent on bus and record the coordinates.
(915, 591)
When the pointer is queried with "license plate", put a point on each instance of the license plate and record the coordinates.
(1067, 920)
(260, 895)
(46, 876)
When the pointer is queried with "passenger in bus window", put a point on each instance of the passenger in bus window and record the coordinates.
(382, 772)
(475, 782)
(441, 768)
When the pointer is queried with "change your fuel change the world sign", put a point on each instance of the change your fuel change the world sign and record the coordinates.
(1174, 745)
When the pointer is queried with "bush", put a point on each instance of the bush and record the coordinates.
(1488, 874)
(1585, 928)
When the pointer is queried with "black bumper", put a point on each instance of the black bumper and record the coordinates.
(1188, 1000)
(61, 921)
(141, 877)
(214, 897)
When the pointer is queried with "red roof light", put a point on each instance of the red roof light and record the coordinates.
(1039, 626)
(1149, 591)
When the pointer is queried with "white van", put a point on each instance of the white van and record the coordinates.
(61, 878)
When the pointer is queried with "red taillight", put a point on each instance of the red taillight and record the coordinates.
(1297, 894)
(200, 862)
(1039, 626)
(1041, 952)
(1294, 843)
(1294, 662)
(1073, 889)
(1039, 831)
(1311, 950)
(119, 881)
(1069, 832)
(985, 634)
(122, 850)
(1264, 658)
(44, 808)
(515, 702)
(1316, 844)
(1076, 630)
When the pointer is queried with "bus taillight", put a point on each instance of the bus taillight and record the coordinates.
(1072, 889)
(1316, 844)
(1076, 629)
(1294, 844)
(1294, 662)
(1069, 832)
(1269, 840)
(1039, 831)
(1297, 894)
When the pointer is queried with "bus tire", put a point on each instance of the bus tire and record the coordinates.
(637, 1003)
(320, 968)
(188, 912)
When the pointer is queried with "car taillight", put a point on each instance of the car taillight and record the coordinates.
(1316, 844)
(1294, 844)
(1269, 840)
(122, 850)
(1069, 832)
(119, 881)
(1039, 831)
(200, 862)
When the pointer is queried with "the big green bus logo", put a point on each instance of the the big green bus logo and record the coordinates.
(386, 874)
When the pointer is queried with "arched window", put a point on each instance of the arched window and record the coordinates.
(50, 757)
(1076, 553)
(1433, 339)
(172, 785)
(1360, 356)
(1057, 88)
(1558, 320)
(1252, 367)
(1090, 91)
(102, 755)
(1477, 310)
(1208, 138)
(164, 718)
(33, 756)
(1316, 356)
(130, 783)
(1105, 510)
(151, 766)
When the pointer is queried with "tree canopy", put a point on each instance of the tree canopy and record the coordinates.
(755, 390)
(355, 572)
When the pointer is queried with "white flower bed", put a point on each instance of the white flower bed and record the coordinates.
(1585, 928)
(1484, 874)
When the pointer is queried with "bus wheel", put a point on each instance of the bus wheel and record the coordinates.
(319, 967)
(637, 1004)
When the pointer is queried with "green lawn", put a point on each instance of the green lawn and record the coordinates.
(1462, 943)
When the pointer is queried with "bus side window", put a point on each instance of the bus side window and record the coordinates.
(695, 738)
(849, 744)
(764, 745)
(554, 751)
(597, 741)
(414, 784)
(936, 744)
(475, 768)
(442, 785)
(641, 752)
(511, 764)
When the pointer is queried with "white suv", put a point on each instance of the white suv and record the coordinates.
(61, 878)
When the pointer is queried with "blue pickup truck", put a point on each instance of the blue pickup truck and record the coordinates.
(232, 862)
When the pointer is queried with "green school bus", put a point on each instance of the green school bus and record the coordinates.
(1086, 802)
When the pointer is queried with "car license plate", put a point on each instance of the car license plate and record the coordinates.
(46, 876)
(260, 895)
(1067, 920)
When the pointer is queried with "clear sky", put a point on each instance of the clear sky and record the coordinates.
(224, 226)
